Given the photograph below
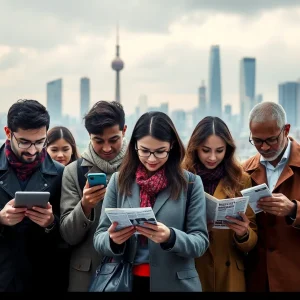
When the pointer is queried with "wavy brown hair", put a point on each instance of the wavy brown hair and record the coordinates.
(233, 169)
(159, 126)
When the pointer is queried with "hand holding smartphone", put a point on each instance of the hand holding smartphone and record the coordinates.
(97, 179)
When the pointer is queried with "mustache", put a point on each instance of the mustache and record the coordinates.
(269, 152)
(29, 154)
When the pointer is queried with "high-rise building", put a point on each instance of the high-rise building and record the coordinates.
(202, 101)
(215, 92)
(247, 89)
(164, 107)
(179, 118)
(227, 115)
(117, 65)
(143, 104)
(289, 98)
(228, 110)
(84, 96)
(54, 101)
(258, 99)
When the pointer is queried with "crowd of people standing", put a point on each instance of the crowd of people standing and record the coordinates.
(63, 243)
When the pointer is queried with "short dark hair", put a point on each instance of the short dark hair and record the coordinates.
(104, 114)
(27, 114)
(159, 126)
(60, 132)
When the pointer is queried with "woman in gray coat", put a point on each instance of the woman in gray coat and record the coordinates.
(151, 176)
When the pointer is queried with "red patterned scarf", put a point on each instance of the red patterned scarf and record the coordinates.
(210, 177)
(150, 186)
(23, 170)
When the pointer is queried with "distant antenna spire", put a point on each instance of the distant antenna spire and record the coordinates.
(117, 41)
(117, 33)
(117, 65)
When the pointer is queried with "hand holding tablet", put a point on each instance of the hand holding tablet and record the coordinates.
(30, 199)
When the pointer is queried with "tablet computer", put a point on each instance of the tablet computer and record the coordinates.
(30, 199)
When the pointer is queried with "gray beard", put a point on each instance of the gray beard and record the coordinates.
(275, 156)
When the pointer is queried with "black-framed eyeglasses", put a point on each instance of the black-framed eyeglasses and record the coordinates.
(269, 141)
(27, 144)
(158, 154)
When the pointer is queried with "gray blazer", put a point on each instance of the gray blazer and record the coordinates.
(173, 269)
(78, 230)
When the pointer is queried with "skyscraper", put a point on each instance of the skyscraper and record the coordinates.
(247, 89)
(117, 65)
(227, 114)
(289, 98)
(54, 101)
(84, 96)
(202, 101)
(258, 99)
(164, 107)
(143, 104)
(215, 92)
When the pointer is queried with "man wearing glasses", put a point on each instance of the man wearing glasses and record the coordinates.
(29, 238)
(274, 265)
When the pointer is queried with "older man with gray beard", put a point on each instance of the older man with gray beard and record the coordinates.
(274, 264)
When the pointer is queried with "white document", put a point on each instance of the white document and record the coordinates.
(218, 209)
(255, 193)
(131, 216)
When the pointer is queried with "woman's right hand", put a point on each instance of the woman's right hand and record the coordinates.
(120, 236)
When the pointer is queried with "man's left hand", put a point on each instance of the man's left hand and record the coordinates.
(278, 205)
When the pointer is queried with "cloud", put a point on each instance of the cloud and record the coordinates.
(41, 24)
(179, 65)
(238, 6)
(11, 59)
(164, 44)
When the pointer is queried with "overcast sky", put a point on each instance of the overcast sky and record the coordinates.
(164, 44)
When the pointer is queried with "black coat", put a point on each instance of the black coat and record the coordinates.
(30, 258)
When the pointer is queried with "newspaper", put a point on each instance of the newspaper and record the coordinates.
(255, 193)
(131, 216)
(218, 209)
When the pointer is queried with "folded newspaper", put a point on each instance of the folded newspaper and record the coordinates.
(218, 209)
(131, 216)
(255, 193)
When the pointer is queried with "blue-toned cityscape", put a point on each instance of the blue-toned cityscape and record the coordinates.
(209, 103)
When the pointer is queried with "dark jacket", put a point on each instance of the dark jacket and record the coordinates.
(30, 258)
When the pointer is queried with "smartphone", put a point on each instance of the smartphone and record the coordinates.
(97, 179)
(30, 199)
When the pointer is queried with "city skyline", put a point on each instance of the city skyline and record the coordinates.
(166, 60)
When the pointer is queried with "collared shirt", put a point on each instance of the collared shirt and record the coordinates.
(273, 173)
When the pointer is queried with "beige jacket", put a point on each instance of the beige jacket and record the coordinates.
(221, 268)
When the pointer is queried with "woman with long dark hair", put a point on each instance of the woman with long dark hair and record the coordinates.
(151, 176)
(211, 155)
(61, 145)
